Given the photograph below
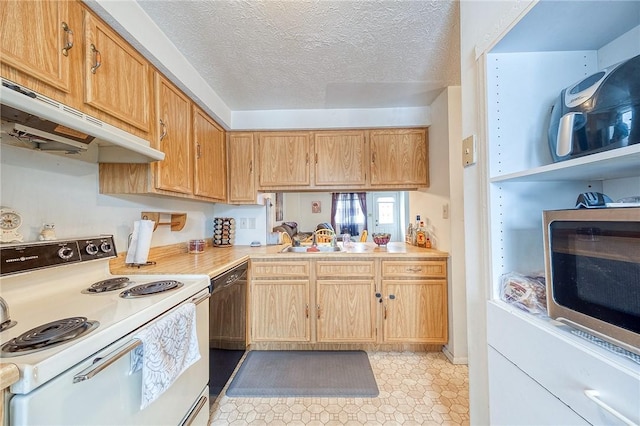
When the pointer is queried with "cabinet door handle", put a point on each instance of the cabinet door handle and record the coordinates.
(251, 171)
(198, 151)
(384, 316)
(97, 59)
(69, 43)
(164, 130)
(318, 310)
(306, 311)
(593, 395)
(316, 158)
(307, 158)
(413, 269)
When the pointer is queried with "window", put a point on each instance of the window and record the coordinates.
(349, 212)
(386, 210)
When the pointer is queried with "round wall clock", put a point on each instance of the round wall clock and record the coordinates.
(10, 221)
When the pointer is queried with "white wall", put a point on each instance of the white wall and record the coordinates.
(445, 191)
(257, 213)
(52, 189)
(297, 208)
(481, 22)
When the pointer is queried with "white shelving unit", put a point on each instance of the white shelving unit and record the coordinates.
(554, 45)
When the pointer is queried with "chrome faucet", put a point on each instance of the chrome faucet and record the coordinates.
(314, 240)
(5, 319)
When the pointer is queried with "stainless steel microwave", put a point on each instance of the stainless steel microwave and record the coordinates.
(592, 268)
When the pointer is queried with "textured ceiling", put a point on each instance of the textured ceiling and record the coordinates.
(300, 54)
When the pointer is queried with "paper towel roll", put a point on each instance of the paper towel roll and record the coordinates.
(138, 252)
(144, 241)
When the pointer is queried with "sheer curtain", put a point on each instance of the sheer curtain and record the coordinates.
(349, 212)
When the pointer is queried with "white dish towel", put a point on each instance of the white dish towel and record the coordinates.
(169, 347)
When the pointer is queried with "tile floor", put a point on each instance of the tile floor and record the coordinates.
(415, 389)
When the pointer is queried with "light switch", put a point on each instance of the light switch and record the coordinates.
(469, 151)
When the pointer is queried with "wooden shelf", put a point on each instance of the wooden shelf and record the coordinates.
(178, 220)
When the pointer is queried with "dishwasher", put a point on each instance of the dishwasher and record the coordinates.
(227, 325)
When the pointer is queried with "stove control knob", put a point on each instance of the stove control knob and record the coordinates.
(106, 247)
(91, 249)
(65, 253)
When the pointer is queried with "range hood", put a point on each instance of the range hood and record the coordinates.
(31, 120)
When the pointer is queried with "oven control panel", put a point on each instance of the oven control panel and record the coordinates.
(25, 257)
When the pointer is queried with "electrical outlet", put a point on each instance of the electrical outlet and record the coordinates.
(243, 223)
(445, 211)
(252, 223)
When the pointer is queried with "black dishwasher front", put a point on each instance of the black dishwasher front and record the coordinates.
(227, 325)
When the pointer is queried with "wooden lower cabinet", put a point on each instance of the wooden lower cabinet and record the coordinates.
(345, 301)
(415, 301)
(415, 311)
(280, 310)
(345, 311)
(280, 299)
(370, 302)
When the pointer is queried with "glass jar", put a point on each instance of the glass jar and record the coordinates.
(196, 246)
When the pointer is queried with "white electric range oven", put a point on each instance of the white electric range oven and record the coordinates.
(72, 329)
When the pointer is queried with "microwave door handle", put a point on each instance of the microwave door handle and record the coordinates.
(564, 140)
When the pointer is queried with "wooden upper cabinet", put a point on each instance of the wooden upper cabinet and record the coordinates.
(240, 149)
(283, 159)
(117, 78)
(340, 158)
(399, 157)
(34, 37)
(173, 114)
(210, 162)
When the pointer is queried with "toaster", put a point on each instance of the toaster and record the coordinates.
(598, 113)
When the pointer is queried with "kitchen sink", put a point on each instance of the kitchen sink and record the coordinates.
(303, 249)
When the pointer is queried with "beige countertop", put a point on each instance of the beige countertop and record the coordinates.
(215, 260)
(9, 374)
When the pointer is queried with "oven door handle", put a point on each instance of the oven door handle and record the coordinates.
(100, 364)
(194, 413)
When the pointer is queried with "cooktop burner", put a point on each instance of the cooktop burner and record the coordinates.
(151, 288)
(107, 285)
(48, 335)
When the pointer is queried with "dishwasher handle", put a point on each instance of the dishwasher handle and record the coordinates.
(229, 278)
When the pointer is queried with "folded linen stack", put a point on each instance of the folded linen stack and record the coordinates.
(169, 347)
